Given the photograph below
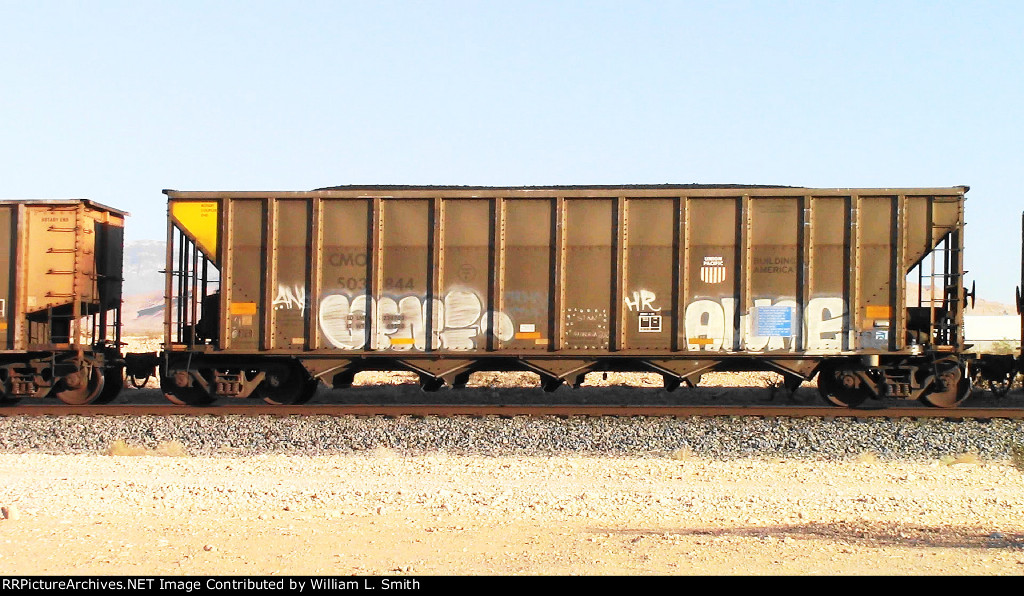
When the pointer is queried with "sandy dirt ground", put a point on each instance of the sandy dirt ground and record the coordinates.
(387, 513)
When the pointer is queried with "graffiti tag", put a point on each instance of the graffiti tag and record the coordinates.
(400, 323)
(709, 325)
(289, 297)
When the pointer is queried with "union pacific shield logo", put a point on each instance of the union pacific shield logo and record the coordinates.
(713, 270)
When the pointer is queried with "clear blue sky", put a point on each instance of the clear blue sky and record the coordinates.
(115, 101)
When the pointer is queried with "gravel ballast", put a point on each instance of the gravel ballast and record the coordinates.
(724, 437)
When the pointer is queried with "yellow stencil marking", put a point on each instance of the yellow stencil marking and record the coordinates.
(199, 220)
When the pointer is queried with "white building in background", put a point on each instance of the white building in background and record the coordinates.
(983, 331)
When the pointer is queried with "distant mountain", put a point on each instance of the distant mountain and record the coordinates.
(981, 306)
(143, 262)
(143, 290)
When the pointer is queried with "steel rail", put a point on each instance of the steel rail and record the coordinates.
(444, 410)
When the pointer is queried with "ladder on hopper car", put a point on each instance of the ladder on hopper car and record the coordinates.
(937, 289)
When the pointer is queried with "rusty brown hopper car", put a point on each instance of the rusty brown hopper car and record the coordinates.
(269, 292)
(60, 300)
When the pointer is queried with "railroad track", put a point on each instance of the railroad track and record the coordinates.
(448, 410)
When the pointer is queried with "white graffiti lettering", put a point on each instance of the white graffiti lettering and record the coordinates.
(824, 318)
(289, 297)
(705, 324)
(401, 324)
(643, 300)
(709, 325)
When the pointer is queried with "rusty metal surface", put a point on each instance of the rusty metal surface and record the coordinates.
(8, 250)
(60, 299)
(650, 268)
(63, 263)
(560, 281)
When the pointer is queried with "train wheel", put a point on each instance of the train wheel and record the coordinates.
(957, 386)
(841, 386)
(80, 387)
(188, 396)
(191, 395)
(113, 382)
(288, 386)
(5, 400)
(5, 397)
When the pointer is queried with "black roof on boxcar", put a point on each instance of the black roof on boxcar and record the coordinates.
(410, 190)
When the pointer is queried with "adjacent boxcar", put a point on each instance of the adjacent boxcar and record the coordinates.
(999, 371)
(270, 291)
(60, 300)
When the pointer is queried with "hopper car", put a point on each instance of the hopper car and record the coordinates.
(60, 300)
(268, 294)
